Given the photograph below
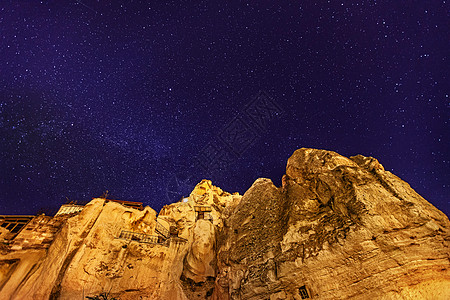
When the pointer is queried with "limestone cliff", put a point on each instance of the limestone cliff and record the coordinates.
(337, 228)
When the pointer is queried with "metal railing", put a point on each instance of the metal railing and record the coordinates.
(141, 237)
(162, 230)
(177, 239)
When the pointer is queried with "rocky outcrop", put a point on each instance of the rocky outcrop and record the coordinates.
(125, 252)
(337, 228)
(199, 260)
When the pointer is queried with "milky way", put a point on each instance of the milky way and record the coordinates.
(144, 100)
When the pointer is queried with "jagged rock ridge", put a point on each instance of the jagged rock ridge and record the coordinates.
(337, 228)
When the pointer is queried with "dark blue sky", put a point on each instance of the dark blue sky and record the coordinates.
(129, 96)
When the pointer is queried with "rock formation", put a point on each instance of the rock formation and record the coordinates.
(337, 228)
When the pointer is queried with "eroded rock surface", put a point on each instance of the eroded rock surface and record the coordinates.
(337, 228)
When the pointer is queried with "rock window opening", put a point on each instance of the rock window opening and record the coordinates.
(303, 292)
(203, 212)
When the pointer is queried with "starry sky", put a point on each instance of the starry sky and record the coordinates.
(143, 99)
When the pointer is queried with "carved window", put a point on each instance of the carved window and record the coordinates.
(303, 292)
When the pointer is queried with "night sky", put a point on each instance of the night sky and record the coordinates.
(145, 100)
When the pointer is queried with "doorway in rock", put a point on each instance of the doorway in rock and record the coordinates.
(303, 292)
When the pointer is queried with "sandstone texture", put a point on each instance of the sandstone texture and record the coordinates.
(337, 228)
(340, 228)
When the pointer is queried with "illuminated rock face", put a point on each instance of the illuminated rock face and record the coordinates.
(336, 228)
(124, 251)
